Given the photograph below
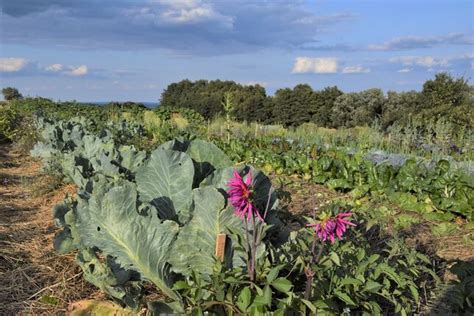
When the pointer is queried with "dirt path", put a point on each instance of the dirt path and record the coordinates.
(34, 280)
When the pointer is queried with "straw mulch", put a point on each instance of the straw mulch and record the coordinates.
(34, 280)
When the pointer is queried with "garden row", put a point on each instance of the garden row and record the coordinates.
(144, 223)
(410, 183)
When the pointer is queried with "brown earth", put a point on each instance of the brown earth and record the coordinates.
(34, 280)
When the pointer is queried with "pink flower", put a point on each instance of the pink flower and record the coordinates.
(240, 196)
(341, 223)
(332, 227)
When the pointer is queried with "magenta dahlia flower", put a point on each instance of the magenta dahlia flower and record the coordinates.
(341, 223)
(332, 227)
(240, 196)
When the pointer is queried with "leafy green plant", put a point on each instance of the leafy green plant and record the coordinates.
(153, 218)
(9, 122)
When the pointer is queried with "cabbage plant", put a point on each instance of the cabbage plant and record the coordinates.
(160, 222)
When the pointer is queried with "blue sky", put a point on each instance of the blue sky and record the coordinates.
(120, 50)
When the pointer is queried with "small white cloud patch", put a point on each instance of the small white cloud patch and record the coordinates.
(405, 70)
(355, 70)
(189, 12)
(78, 71)
(324, 65)
(423, 61)
(54, 67)
(12, 64)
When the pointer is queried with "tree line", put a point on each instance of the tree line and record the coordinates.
(441, 97)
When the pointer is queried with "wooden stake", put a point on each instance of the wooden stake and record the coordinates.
(220, 246)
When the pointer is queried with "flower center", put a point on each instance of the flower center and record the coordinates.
(246, 193)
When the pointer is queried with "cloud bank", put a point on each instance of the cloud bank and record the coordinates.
(197, 27)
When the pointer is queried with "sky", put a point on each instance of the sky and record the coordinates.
(130, 50)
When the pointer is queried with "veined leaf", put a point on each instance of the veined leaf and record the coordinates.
(207, 157)
(194, 249)
(141, 243)
(165, 181)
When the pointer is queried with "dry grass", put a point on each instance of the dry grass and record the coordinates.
(34, 280)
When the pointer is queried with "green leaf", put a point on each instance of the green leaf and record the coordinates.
(350, 281)
(109, 277)
(345, 298)
(372, 286)
(373, 258)
(414, 293)
(283, 285)
(180, 285)
(273, 273)
(266, 298)
(244, 299)
(309, 305)
(166, 181)
(130, 158)
(335, 258)
(195, 246)
(207, 157)
(112, 223)
(338, 184)
(406, 201)
(444, 229)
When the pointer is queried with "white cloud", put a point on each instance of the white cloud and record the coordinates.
(469, 55)
(404, 70)
(415, 42)
(184, 12)
(423, 61)
(355, 70)
(78, 71)
(54, 67)
(325, 65)
(12, 64)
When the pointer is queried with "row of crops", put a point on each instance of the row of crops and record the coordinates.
(410, 183)
(147, 222)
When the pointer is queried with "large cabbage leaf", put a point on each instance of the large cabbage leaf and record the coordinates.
(112, 224)
(206, 156)
(110, 277)
(165, 181)
(194, 249)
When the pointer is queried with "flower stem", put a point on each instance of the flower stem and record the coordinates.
(262, 226)
(248, 248)
(254, 249)
(309, 271)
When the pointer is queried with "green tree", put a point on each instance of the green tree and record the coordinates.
(368, 107)
(323, 103)
(397, 107)
(205, 97)
(293, 107)
(10, 93)
(282, 106)
(357, 108)
(250, 103)
(445, 91)
(449, 99)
